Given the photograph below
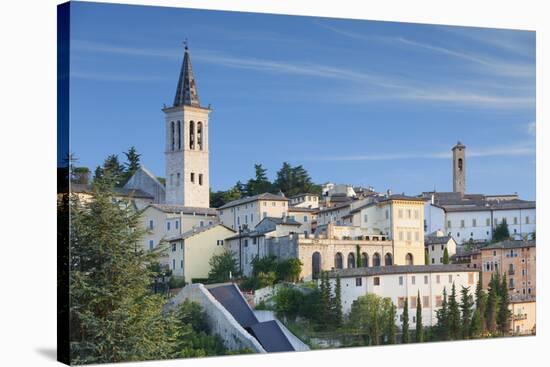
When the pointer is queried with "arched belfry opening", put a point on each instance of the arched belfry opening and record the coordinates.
(191, 135)
(199, 135)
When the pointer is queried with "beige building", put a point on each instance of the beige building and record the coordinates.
(163, 221)
(136, 197)
(333, 247)
(305, 201)
(306, 216)
(189, 253)
(524, 315)
(516, 260)
(435, 245)
(400, 218)
(249, 211)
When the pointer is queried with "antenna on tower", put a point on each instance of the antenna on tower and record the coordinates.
(185, 44)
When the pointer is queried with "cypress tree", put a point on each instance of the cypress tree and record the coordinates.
(454, 315)
(390, 325)
(481, 305)
(466, 304)
(443, 318)
(337, 303)
(491, 310)
(476, 326)
(445, 256)
(405, 324)
(325, 299)
(419, 335)
(504, 313)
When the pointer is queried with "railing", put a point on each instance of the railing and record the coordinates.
(519, 317)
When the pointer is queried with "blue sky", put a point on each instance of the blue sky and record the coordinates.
(361, 102)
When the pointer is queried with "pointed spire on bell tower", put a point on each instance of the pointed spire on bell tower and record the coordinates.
(186, 92)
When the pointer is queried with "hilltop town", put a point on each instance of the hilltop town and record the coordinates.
(449, 265)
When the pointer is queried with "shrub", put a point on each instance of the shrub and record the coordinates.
(176, 282)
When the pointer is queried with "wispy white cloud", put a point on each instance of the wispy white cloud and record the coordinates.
(361, 86)
(497, 151)
(115, 77)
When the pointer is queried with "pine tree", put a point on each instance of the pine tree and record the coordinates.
(337, 315)
(454, 315)
(419, 327)
(260, 184)
(115, 316)
(285, 180)
(445, 256)
(466, 304)
(405, 323)
(443, 318)
(504, 313)
(501, 232)
(132, 164)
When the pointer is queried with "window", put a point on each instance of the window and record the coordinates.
(273, 203)
(178, 179)
(388, 259)
(246, 243)
(338, 261)
(305, 218)
(173, 134)
(462, 223)
(425, 301)
(474, 222)
(408, 213)
(192, 177)
(387, 214)
(438, 301)
(400, 280)
(450, 278)
(488, 222)
(173, 264)
(200, 179)
(191, 135)
(448, 224)
(358, 282)
(199, 135)
(409, 259)
(400, 213)
(400, 236)
(202, 223)
(470, 278)
(365, 218)
(527, 220)
(254, 241)
(376, 259)
(238, 221)
(167, 226)
(376, 280)
(425, 279)
(151, 244)
(416, 214)
(515, 220)
(414, 302)
(246, 219)
(181, 264)
(177, 224)
(438, 279)
(151, 224)
(173, 247)
(413, 279)
(433, 260)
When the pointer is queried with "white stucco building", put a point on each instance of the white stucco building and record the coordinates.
(249, 211)
(405, 282)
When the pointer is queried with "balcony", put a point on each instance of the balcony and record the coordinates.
(519, 317)
(511, 272)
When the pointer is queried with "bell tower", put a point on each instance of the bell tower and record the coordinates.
(459, 168)
(186, 149)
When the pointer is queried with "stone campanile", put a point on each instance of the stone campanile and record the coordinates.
(186, 150)
(459, 168)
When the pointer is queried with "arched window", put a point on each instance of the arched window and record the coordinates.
(409, 259)
(364, 260)
(173, 135)
(351, 260)
(460, 164)
(338, 262)
(388, 260)
(191, 135)
(376, 259)
(199, 135)
(315, 265)
(179, 135)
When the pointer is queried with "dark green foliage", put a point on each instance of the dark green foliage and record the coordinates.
(405, 323)
(294, 180)
(289, 270)
(426, 257)
(466, 309)
(373, 316)
(176, 282)
(419, 332)
(445, 256)
(80, 175)
(504, 313)
(220, 198)
(324, 307)
(455, 331)
(492, 305)
(288, 302)
(476, 328)
(481, 307)
(390, 329)
(358, 256)
(115, 173)
(131, 165)
(336, 304)
(114, 315)
(260, 183)
(223, 267)
(501, 232)
(442, 326)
